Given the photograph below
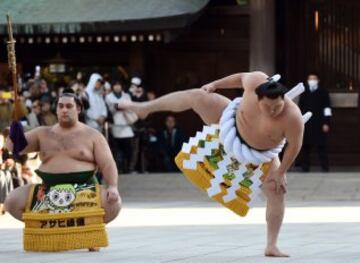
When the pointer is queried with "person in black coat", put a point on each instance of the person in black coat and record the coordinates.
(315, 99)
(137, 163)
(170, 141)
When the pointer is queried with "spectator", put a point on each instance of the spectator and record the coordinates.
(152, 159)
(26, 174)
(8, 163)
(96, 113)
(47, 117)
(6, 184)
(38, 89)
(5, 113)
(170, 141)
(107, 85)
(121, 130)
(33, 116)
(34, 89)
(5, 154)
(140, 138)
(27, 99)
(150, 95)
(139, 94)
(44, 90)
(135, 82)
(315, 99)
(153, 162)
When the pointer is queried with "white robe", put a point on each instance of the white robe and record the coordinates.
(97, 106)
(121, 127)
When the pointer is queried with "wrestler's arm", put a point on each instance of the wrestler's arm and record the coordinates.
(32, 138)
(234, 81)
(105, 161)
(294, 135)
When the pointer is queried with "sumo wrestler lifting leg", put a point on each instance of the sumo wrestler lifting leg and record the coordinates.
(246, 134)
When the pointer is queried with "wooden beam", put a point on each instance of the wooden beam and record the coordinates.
(229, 10)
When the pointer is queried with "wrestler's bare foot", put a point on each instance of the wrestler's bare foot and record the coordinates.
(94, 249)
(138, 108)
(274, 252)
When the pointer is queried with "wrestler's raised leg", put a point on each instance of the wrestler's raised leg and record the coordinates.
(111, 210)
(15, 202)
(274, 214)
(209, 106)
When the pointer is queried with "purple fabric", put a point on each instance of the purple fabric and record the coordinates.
(17, 136)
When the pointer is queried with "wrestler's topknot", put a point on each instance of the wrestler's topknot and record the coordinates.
(270, 89)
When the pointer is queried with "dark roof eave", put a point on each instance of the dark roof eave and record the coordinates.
(154, 24)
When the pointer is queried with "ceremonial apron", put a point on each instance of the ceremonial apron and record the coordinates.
(64, 213)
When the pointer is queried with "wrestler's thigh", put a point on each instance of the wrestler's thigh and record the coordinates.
(269, 187)
(275, 164)
(209, 106)
(17, 199)
(111, 210)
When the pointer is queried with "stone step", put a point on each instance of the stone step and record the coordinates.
(155, 187)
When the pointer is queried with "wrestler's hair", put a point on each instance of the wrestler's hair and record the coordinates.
(270, 89)
(70, 94)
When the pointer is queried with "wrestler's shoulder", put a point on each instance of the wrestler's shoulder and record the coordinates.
(41, 129)
(258, 74)
(292, 110)
(87, 128)
(252, 79)
(89, 131)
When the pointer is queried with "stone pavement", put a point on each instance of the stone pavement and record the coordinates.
(165, 220)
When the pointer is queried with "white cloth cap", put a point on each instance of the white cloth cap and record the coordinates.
(327, 112)
(136, 81)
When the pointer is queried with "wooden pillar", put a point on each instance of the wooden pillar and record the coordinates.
(262, 36)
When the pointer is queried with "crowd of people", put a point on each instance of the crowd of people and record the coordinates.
(137, 145)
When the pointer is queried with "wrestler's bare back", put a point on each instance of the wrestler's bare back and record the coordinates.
(258, 130)
(68, 150)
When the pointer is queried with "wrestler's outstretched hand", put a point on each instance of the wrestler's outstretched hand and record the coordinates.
(210, 87)
(112, 194)
(279, 179)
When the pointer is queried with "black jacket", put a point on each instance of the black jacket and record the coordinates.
(315, 102)
(170, 144)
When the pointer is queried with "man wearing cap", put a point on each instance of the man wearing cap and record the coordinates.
(263, 119)
(135, 83)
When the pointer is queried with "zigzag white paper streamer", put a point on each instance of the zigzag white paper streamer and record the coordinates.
(215, 189)
(200, 155)
(201, 152)
(235, 184)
